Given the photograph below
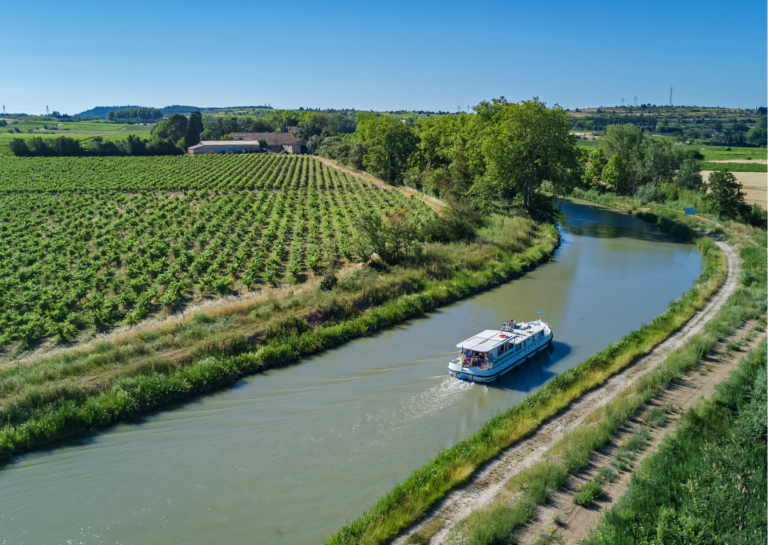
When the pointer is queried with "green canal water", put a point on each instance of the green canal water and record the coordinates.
(287, 456)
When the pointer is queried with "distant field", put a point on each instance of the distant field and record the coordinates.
(589, 144)
(735, 167)
(138, 130)
(720, 153)
(755, 186)
(91, 126)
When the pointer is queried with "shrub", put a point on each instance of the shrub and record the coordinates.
(588, 493)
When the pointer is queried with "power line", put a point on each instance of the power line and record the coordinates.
(635, 102)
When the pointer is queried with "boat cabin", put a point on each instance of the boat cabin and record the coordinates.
(486, 348)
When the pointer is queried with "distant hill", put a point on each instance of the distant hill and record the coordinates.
(101, 111)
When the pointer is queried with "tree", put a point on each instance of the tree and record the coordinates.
(177, 126)
(593, 173)
(689, 175)
(524, 145)
(389, 144)
(615, 174)
(724, 194)
(757, 134)
(111, 115)
(194, 130)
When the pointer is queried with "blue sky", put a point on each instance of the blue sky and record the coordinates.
(73, 55)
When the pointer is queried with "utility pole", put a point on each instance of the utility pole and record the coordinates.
(670, 96)
(622, 102)
(46, 109)
(635, 102)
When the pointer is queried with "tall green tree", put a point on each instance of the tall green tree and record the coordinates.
(615, 174)
(177, 126)
(389, 145)
(724, 194)
(593, 173)
(526, 144)
(194, 129)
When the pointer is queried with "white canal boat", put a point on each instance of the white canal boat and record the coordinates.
(494, 352)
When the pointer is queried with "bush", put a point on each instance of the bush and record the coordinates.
(588, 493)
(646, 194)
(328, 282)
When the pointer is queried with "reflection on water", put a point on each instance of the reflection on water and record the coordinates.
(288, 456)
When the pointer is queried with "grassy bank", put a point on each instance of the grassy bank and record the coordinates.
(517, 504)
(707, 482)
(408, 501)
(57, 397)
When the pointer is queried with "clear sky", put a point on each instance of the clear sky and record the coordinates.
(72, 55)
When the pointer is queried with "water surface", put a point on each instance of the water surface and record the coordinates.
(287, 456)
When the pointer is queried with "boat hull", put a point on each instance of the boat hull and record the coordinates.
(473, 374)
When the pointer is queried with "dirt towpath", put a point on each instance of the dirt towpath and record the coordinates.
(488, 482)
(575, 522)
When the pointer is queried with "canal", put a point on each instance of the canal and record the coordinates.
(288, 455)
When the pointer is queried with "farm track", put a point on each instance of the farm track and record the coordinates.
(484, 486)
(578, 522)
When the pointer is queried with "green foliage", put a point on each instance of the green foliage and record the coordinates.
(526, 144)
(194, 130)
(389, 145)
(689, 175)
(593, 173)
(735, 167)
(135, 115)
(707, 482)
(615, 174)
(589, 492)
(724, 194)
(100, 241)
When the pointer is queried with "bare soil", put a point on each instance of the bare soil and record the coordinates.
(576, 522)
(755, 185)
(484, 486)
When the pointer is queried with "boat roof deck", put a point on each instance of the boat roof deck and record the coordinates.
(492, 338)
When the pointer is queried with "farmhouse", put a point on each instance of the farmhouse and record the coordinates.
(223, 146)
(276, 141)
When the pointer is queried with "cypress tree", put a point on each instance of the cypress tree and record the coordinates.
(194, 129)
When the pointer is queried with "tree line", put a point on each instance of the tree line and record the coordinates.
(135, 115)
(171, 137)
(498, 158)
(630, 162)
(306, 124)
(716, 131)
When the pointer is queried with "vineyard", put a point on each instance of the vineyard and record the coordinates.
(95, 242)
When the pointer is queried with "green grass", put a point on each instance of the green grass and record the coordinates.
(735, 167)
(708, 481)
(720, 153)
(588, 493)
(588, 144)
